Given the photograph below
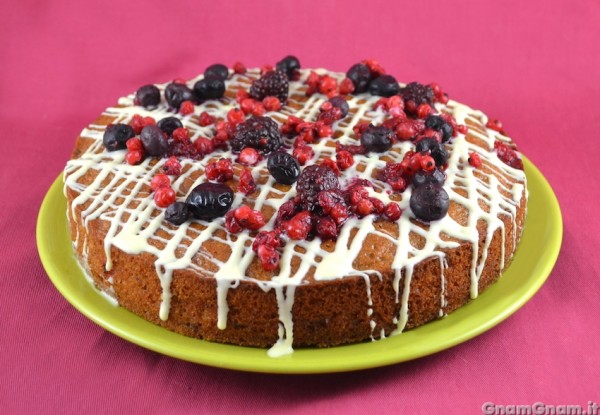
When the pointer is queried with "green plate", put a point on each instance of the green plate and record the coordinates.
(528, 271)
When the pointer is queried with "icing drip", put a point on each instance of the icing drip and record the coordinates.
(119, 194)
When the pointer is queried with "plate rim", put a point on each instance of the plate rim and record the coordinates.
(226, 356)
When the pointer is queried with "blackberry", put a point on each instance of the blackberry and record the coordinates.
(209, 88)
(169, 124)
(209, 200)
(116, 135)
(417, 93)
(312, 180)
(177, 213)
(147, 96)
(288, 65)
(218, 71)
(436, 149)
(273, 83)
(435, 122)
(429, 202)
(377, 139)
(360, 75)
(175, 94)
(283, 167)
(260, 133)
(340, 103)
(384, 86)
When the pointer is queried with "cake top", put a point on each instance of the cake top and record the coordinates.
(279, 175)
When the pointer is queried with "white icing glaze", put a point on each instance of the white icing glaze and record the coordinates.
(134, 221)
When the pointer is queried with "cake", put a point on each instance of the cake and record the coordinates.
(283, 207)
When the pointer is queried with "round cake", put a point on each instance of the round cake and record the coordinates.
(282, 207)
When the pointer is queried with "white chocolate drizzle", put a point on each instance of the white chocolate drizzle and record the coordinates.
(119, 194)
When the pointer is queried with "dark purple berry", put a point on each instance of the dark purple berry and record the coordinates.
(260, 133)
(437, 123)
(116, 136)
(147, 96)
(384, 86)
(175, 94)
(377, 139)
(436, 149)
(288, 65)
(218, 70)
(422, 177)
(177, 213)
(154, 140)
(360, 75)
(209, 200)
(429, 202)
(169, 124)
(417, 93)
(209, 88)
(340, 103)
(313, 180)
(283, 167)
(271, 84)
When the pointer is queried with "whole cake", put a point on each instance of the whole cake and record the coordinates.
(282, 207)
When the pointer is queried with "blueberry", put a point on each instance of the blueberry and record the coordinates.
(116, 135)
(360, 75)
(340, 103)
(288, 65)
(177, 213)
(175, 94)
(435, 177)
(384, 86)
(209, 88)
(147, 96)
(218, 70)
(429, 202)
(209, 200)
(435, 122)
(377, 139)
(283, 167)
(436, 149)
(169, 124)
(154, 141)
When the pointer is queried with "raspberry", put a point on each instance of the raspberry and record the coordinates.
(364, 207)
(248, 218)
(327, 84)
(181, 134)
(272, 83)
(241, 95)
(134, 144)
(219, 171)
(235, 116)
(299, 226)
(247, 105)
(303, 154)
(331, 165)
(260, 133)
(258, 109)
(474, 159)
(172, 166)
(247, 184)
(272, 104)
(344, 159)
(160, 180)
(206, 119)
(392, 212)
(356, 193)
(330, 116)
(186, 108)
(346, 87)
(249, 156)
(286, 211)
(326, 228)
(268, 256)
(324, 130)
(239, 68)
(339, 213)
(269, 238)
(164, 196)
(134, 157)
(204, 146)
(423, 111)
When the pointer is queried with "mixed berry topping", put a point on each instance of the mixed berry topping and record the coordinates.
(377, 139)
(116, 135)
(217, 71)
(384, 86)
(429, 202)
(169, 124)
(147, 96)
(415, 94)
(360, 76)
(290, 65)
(178, 213)
(177, 93)
(209, 88)
(155, 141)
(208, 201)
(272, 83)
(313, 180)
(284, 168)
(260, 133)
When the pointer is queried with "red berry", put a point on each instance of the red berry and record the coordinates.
(204, 146)
(164, 196)
(424, 110)
(339, 213)
(378, 205)
(231, 223)
(241, 95)
(494, 124)
(344, 159)
(205, 119)
(219, 171)
(258, 109)
(356, 194)
(247, 184)
(138, 123)
(332, 165)
(463, 129)
(249, 156)
(299, 226)
(255, 221)
(303, 154)
(272, 103)
(399, 184)
(474, 159)
(364, 207)
(172, 166)
(160, 180)
(239, 68)
(186, 108)
(346, 87)
(428, 163)
(134, 157)
(247, 105)
(270, 238)
(235, 116)
(324, 130)
(326, 228)
(327, 84)
(134, 144)
(181, 134)
(268, 256)
(392, 212)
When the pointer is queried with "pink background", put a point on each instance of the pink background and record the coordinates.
(534, 65)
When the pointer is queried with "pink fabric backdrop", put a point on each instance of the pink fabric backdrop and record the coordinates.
(535, 65)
